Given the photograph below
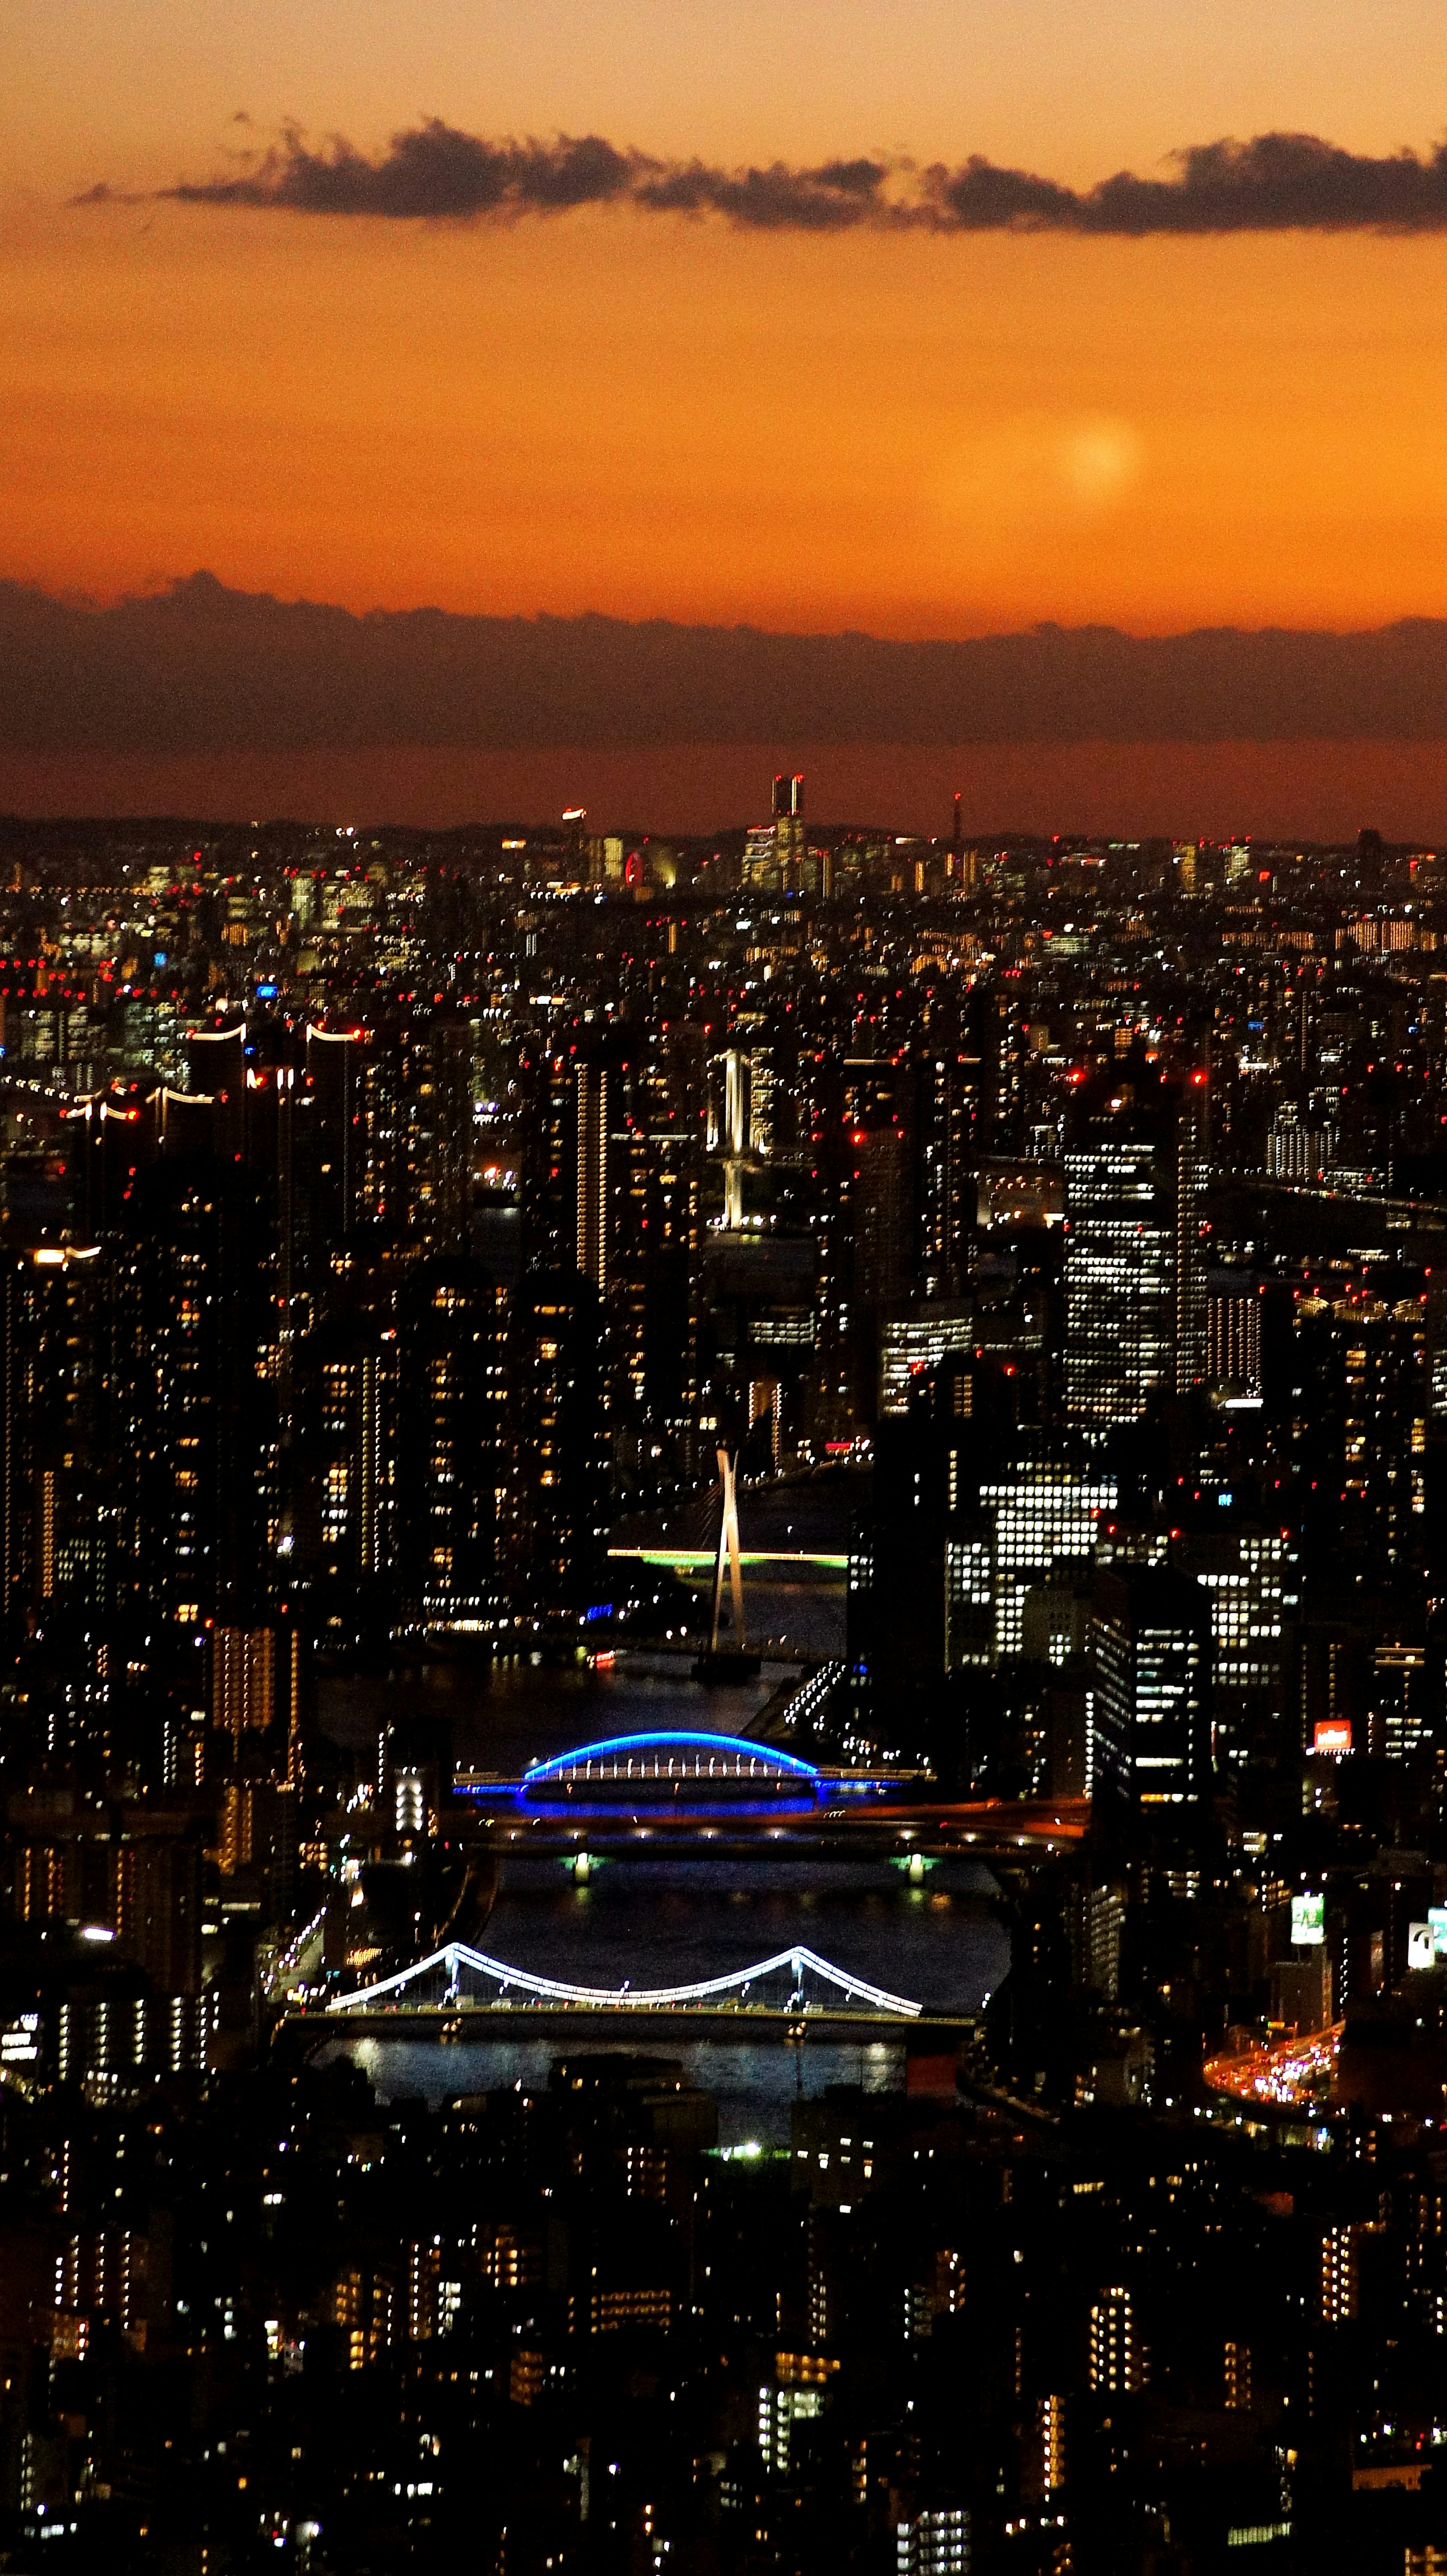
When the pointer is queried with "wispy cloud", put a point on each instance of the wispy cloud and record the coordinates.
(433, 172)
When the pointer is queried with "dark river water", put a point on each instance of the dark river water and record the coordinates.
(656, 1922)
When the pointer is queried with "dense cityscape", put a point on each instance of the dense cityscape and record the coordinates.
(888, 1392)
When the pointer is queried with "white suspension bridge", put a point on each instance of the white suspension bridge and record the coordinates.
(459, 1979)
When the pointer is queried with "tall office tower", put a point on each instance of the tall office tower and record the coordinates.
(450, 1444)
(1233, 1340)
(275, 1086)
(195, 1362)
(634, 1158)
(250, 1748)
(946, 1111)
(341, 1561)
(557, 1484)
(612, 1163)
(1150, 1741)
(731, 1132)
(667, 1255)
(414, 1090)
(1435, 1313)
(873, 1264)
(546, 1088)
(591, 1178)
(1134, 1285)
(56, 1529)
(104, 1152)
(962, 866)
(243, 1683)
(159, 1913)
(959, 1524)
(789, 832)
(216, 1073)
(898, 1602)
(1253, 1577)
(880, 1207)
(1361, 1396)
(1042, 1512)
(329, 1135)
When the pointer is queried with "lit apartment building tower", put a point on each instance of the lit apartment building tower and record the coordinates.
(1297, 1151)
(612, 1167)
(558, 1445)
(946, 1113)
(195, 1367)
(330, 1125)
(1050, 2458)
(243, 1683)
(1116, 2357)
(878, 1203)
(56, 1553)
(414, 1126)
(216, 1075)
(1150, 1733)
(591, 1171)
(935, 2543)
(1360, 1404)
(637, 1176)
(251, 1747)
(343, 1533)
(450, 1434)
(1233, 1343)
(1344, 2247)
(1399, 1721)
(1134, 1289)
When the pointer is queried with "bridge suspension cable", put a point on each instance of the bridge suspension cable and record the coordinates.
(800, 1960)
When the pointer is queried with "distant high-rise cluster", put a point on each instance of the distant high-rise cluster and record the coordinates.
(409, 1244)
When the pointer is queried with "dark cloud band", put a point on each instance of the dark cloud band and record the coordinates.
(202, 669)
(433, 172)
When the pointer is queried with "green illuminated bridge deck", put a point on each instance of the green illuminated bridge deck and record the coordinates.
(705, 1556)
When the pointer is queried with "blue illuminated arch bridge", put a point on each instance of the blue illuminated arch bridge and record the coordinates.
(671, 1762)
(677, 1769)
(457, 1979)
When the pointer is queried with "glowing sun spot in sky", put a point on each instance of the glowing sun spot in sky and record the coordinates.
(1100, 460)
(1031, 472)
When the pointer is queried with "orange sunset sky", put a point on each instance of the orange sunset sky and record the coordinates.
(658, 416)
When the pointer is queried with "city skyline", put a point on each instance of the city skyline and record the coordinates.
(723, 1288)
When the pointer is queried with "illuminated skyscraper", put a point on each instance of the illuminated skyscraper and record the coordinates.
(1150, 1737)
(449, 1449)
(1254, 1580)
(56, 1552)
(788, 832)
(1134, 1286)
(196, 1362)
(557, 1491)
